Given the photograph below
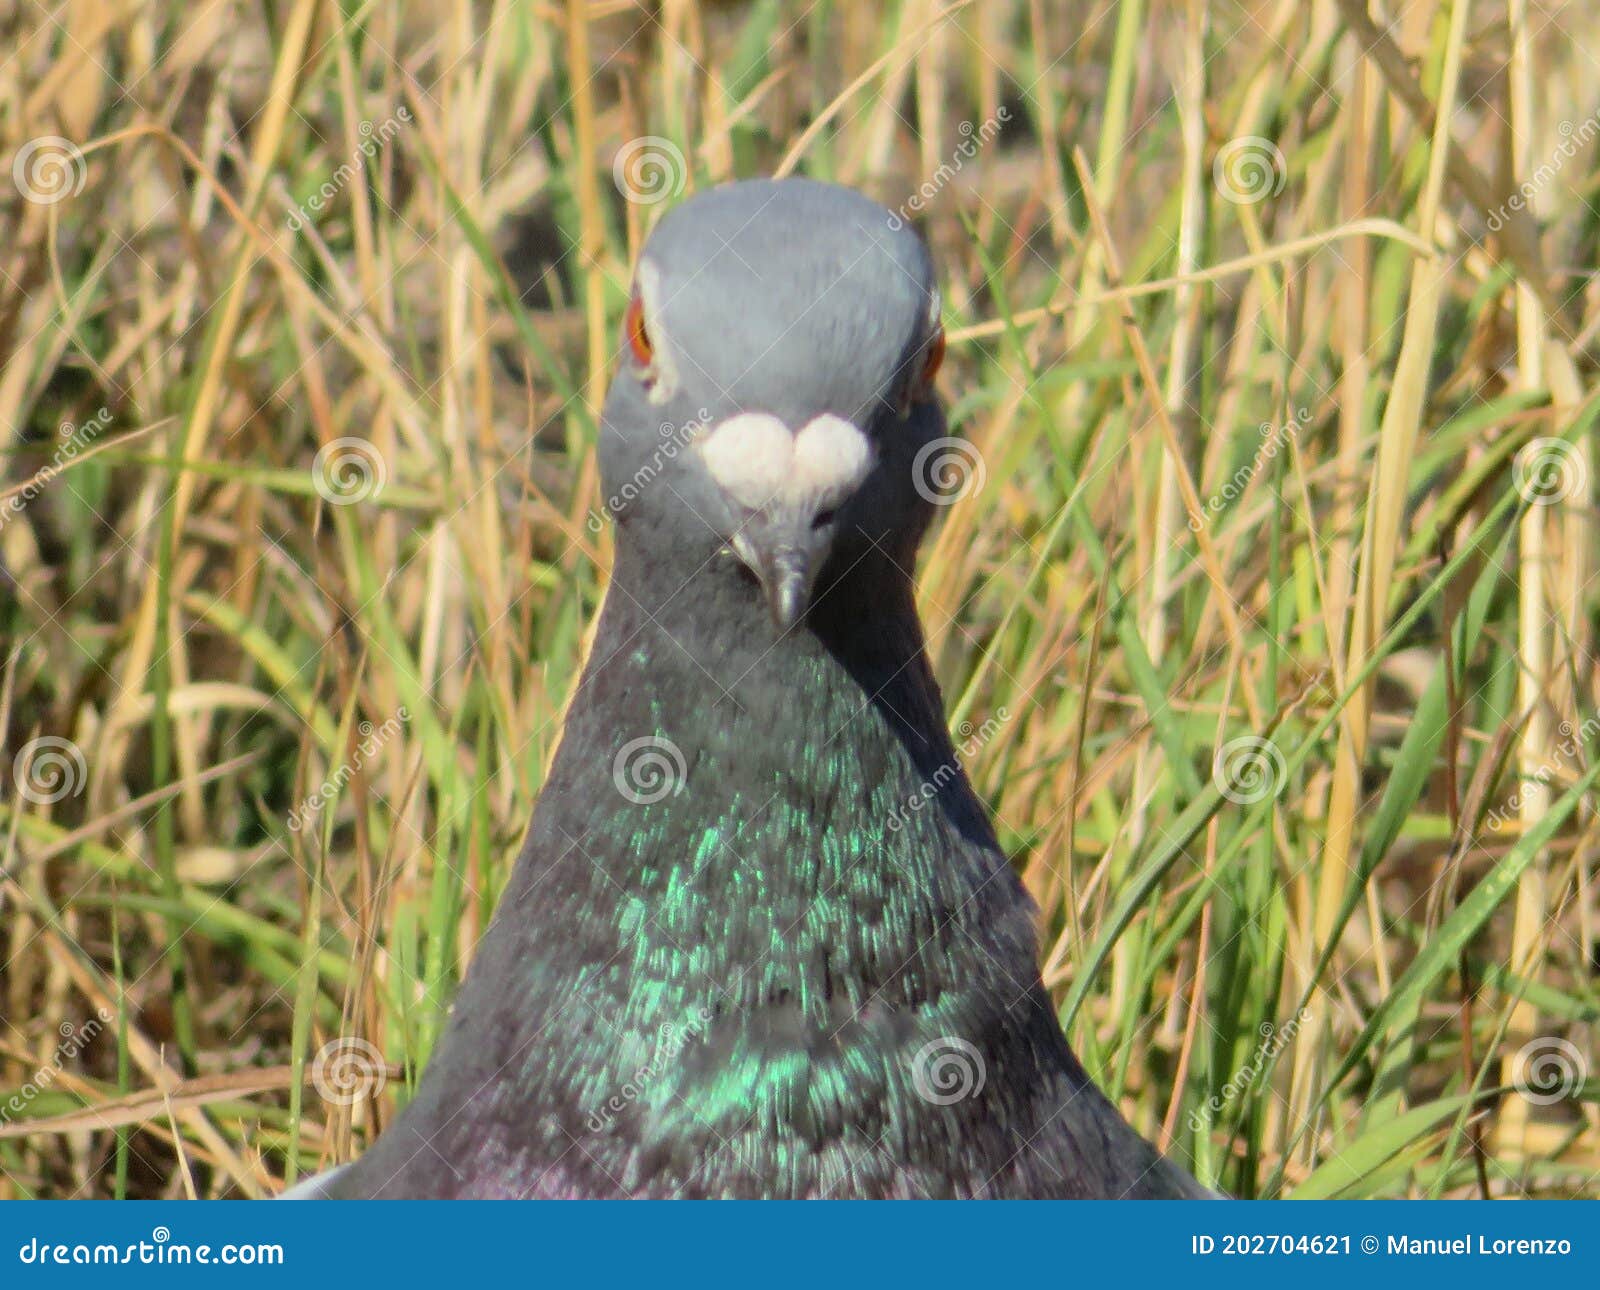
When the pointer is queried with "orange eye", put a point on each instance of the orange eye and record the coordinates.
(930, 365)
(638, 338)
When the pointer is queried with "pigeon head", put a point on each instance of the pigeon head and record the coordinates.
(775, 386)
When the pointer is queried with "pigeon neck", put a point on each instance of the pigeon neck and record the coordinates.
(788, 808)
(756, 893)
(852, 676)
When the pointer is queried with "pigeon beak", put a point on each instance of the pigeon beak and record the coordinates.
(787, 485)
(784, 567)
(786, 578)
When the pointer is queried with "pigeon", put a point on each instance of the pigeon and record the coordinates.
(761, 940)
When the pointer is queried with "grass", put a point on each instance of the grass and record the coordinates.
(1266, 621)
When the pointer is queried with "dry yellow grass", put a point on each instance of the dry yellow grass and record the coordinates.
(1266, 620)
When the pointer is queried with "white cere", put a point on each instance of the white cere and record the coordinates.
(760, 463)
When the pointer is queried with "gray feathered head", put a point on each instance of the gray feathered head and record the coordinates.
(775, 382)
